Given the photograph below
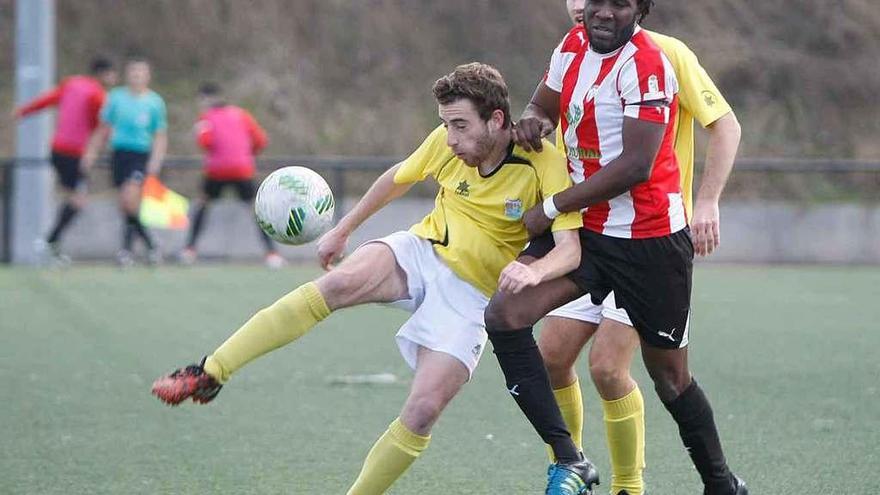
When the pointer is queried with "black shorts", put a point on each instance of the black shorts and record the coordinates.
(129, 166)
(67, 168)
(245, 188)
(651, 280)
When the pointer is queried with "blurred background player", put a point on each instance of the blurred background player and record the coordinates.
(79, 99)
(135, 121)
(231, 137)
(566, 330)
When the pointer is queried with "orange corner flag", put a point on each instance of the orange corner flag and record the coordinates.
(163, 208)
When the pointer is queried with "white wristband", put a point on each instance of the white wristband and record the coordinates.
(550, 208)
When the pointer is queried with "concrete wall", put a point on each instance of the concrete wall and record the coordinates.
(762, 232)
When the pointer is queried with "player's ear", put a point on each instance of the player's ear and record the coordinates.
(496, 121)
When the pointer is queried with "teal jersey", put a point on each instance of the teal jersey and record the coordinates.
(134, 119)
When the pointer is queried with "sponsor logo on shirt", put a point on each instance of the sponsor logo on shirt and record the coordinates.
(582, 153)
(463, 189)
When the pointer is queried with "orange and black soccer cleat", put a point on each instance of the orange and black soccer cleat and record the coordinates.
(182, 384)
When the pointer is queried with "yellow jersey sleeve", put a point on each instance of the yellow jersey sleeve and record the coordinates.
(426, 160)
(697, 92)
(552, 169)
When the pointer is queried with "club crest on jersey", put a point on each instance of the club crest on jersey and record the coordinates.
(654, 92)
(513, 208)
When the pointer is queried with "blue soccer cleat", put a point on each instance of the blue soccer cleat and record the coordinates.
(572, 479)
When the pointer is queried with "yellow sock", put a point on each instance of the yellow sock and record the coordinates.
(571, 405)
(389, 458)
(281, 323)
(625, 430)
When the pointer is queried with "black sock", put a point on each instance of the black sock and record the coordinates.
(136, 227)
(528, 383)
(65, 215)
(198, 222)
(696, 425)
(128, 232)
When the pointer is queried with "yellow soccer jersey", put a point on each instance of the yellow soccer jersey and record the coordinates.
(476, 224)
(698, 98)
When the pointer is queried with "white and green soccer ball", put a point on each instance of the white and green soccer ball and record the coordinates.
(294, 205)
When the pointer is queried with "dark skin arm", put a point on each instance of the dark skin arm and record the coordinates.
(641, 141)
(538, 120)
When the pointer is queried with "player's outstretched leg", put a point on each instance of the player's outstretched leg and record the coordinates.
(190, 382)
(370, 274)
(438, 379)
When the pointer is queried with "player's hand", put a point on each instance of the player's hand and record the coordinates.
(153, 168)
(86, 163)
(529, 132)
(517, 276)
(331, 247)
(706, 227)
(536, 221)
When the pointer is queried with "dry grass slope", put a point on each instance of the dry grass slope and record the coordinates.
(353, 77)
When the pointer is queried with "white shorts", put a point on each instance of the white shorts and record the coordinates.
(583, 309)
(447, 312)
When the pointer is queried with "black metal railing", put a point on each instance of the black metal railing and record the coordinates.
(337, 169)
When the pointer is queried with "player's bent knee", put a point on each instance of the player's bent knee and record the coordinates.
(502, 315)
(421, 412)
(338, 288)
(609, 377)
(670, 383)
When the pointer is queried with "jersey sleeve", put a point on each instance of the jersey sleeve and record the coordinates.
(562, 55)
(426, 160)
(257, 133)
(553, 175)
(647, 86)
(96, 102)
(556, 69)
(697, 92)
(48, 99)
(204, 132)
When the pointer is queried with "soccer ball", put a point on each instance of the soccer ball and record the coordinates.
(294, 205)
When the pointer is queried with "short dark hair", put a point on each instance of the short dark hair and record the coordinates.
(209, 88)
(482, 84)
(137, 59)
(644, 8)
(100, 64)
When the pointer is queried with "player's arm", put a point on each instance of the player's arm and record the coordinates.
(384, 190)
(48, 99)
(157, 152)
(538, 120)
(204, 133)
(258, 135)
(641, 142)
(724, 137)
(94, 147)
(563, 258)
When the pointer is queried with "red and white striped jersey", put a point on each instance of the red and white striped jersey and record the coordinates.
(597, 91)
